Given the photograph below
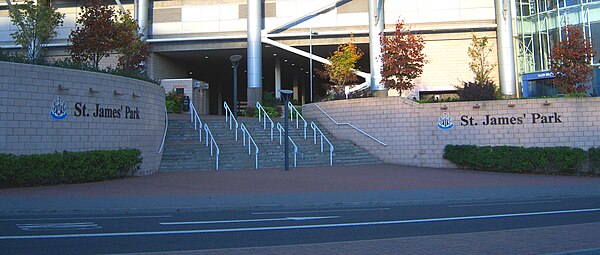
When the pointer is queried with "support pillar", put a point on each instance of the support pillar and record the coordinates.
(506, 57)
(142, 17)
(376, 26)
(295, 85)
(254, 52)
(277, 77)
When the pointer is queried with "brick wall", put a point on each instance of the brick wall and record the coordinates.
(413, 137)
(26, 127)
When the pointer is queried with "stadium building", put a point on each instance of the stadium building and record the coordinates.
(193, 40)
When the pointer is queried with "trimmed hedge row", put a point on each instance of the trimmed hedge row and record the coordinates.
(550, 160)
(67, 167)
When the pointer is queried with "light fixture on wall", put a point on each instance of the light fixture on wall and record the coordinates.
(61, 88)
(92, 91)
(511, 105)
(444, 107)
(546, 103)
(476, 106)
(116, 93)
(134, 95)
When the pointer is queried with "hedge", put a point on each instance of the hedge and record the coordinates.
(561, 160)
(67, 167)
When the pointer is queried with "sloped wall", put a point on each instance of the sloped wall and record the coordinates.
(413, 137)
(102, 112)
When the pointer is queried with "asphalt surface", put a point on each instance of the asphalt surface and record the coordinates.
(368, 209)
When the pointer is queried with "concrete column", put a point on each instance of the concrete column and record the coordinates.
(277, 77)
(254, 52)
(376, 26)
(506, 48)
(142, 17)
(295, 86)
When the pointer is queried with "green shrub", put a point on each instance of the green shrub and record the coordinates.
(67, 167)
(471, 91)
(269, 99)
(594, 156)
(174, 102)
(513, 159)
(272, 112)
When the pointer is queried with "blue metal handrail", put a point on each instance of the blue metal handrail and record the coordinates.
(315, 129)
(281, 129)
(213, 143)
(250, 139)
(263, 112)
(298, 117)
(162, 144)
(229, 117)
(194, 117)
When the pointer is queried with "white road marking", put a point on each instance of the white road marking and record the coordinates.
(90, 218)
(333, 225)
(512, 203)
(250, 220)
(58, 226)
(321, 211)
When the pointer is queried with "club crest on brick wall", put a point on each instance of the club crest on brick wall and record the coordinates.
(445, 122)
(58, 109)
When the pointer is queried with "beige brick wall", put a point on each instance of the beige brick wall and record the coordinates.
(413, 138)
(26, 127)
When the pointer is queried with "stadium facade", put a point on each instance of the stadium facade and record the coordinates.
(195, 38)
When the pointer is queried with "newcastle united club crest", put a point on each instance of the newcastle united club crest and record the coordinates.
(445, 122)
(58, 109)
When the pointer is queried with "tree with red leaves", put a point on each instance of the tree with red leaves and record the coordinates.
(403, 58)
(132, 49)
(570, 61)
(96, 33)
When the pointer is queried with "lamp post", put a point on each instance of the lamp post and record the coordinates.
(286, 93)
(311, 62)
(235, 60)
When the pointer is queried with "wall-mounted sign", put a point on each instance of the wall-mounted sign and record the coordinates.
(58, 109)
(445, 122)
(98, 111)
(532, 118)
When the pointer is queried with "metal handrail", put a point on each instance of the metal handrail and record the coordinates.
(194, 117)
(281, 129)
(228, 117)
(315, 129)
(260, 109)
(350, 124)
(212, 143)
(250, 139)
(162, 144)
(298, 116)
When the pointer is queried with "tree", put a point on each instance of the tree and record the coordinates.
(570, 61)
(403, 58)
(343, 63)
(96, 34)
(36, 25)
(132, 49)
(479, 51)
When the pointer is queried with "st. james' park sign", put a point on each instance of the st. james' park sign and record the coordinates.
(446, 122)
(59, 111)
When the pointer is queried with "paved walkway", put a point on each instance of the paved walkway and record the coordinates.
(383, 184)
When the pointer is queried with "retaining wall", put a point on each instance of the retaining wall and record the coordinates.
(414, 138)
(102, 112)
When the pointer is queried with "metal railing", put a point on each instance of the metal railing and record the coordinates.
(250, 139)
(162, 144)
(315, 129)
(298, 117)
(209, 137)
(194, 117)
(213, 143)
(281, 129)
(229, 118)
(350, 124)
(265, 117)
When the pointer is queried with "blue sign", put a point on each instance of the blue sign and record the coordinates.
(445, 122)
(58, 109)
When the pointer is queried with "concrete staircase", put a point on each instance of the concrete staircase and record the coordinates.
(183, 151)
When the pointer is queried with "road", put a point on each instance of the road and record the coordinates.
(110, 233)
